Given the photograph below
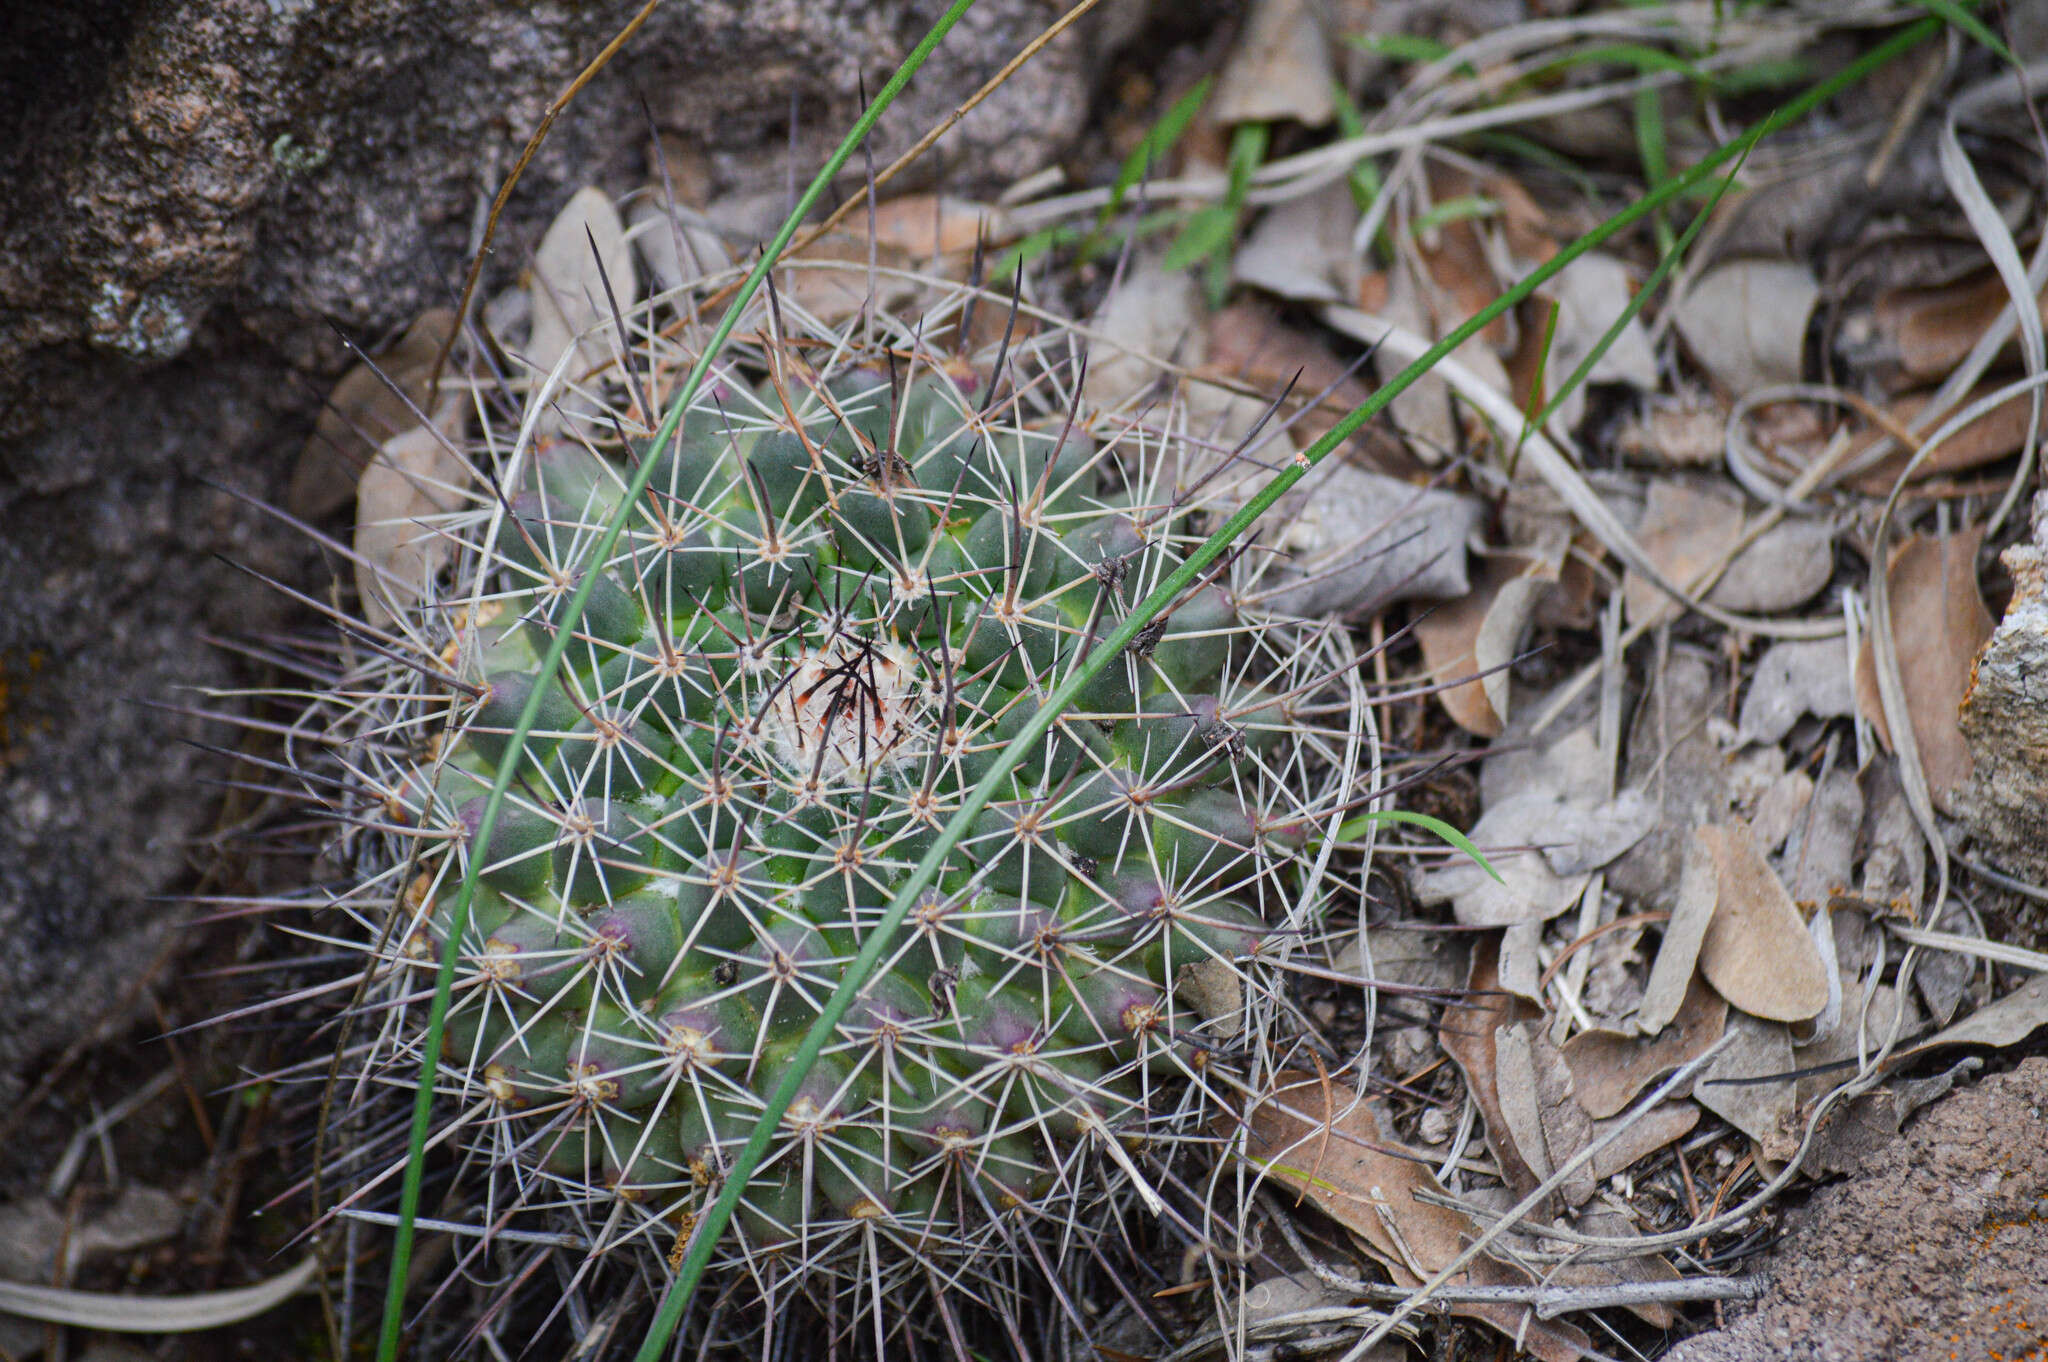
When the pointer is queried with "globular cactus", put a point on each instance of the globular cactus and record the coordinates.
(857, 570)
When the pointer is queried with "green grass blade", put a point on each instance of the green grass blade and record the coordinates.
(1358, 826)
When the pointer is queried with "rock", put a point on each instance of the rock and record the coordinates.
(209, 188)
(2005, 719)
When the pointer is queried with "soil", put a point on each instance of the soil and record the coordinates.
(1933, 1249)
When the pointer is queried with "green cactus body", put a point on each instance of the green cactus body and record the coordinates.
(843, 592)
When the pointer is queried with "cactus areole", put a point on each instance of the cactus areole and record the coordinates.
(866, 557)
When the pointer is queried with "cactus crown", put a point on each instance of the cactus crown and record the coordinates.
(865, 559)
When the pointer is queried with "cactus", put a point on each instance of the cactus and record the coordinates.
(857, 570)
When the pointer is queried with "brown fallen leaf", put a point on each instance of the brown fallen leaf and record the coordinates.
(1940, 623)
(1995, 435)
(2008, 1021)
(1645, 1267)
(925, 225)
(1478, 633)
(1543, 1117)
(361, 413)
(1926, 332)
(1744, 1087)
(1322, 1139)
(1686, 528)
(1657, 1127)
(1467, 1033)
(1756, 951)
(835, 294)
(1249, 343)
(1610, 1067)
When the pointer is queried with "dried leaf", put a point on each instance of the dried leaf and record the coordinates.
(1357, 540)
(1527, 890)
(1766, 1110)
(1661, 1125)
(1645, 1267)
(1795, 678)
(1819, 855)
(568, 289)
(1151, 315)
(1756, 951)
(1672, 973)
(1543, 1118)
(1940, 623)
(1786, 567)
(1927, 332)
(1997, 434)
(1280, 68)
(677, 248)
(1610, 1067)
(1589, 294)
(924, 225)
(361, 413)
(1745, 322)
(414, 478)
(1250, 343)
(1323, 1140)
(1466, 1034)
(2007, 1021)
(1686, 528)
(1481, 632)
(1301, 249)
(834, 294)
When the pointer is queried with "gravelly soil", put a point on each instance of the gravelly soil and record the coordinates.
(1937, 1248)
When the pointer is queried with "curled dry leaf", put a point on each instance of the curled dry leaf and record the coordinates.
(1320, 1138)
(1756, 952)
(1610, 1067)
(2009, 1021)
(1939, 621)
(1920, 334)
(361, 413)
(1745, 322)
(1480, 633)
(415, 477)
(1997, 434)
(1279, 69)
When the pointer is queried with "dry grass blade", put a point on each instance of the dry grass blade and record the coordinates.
(154, 1314)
